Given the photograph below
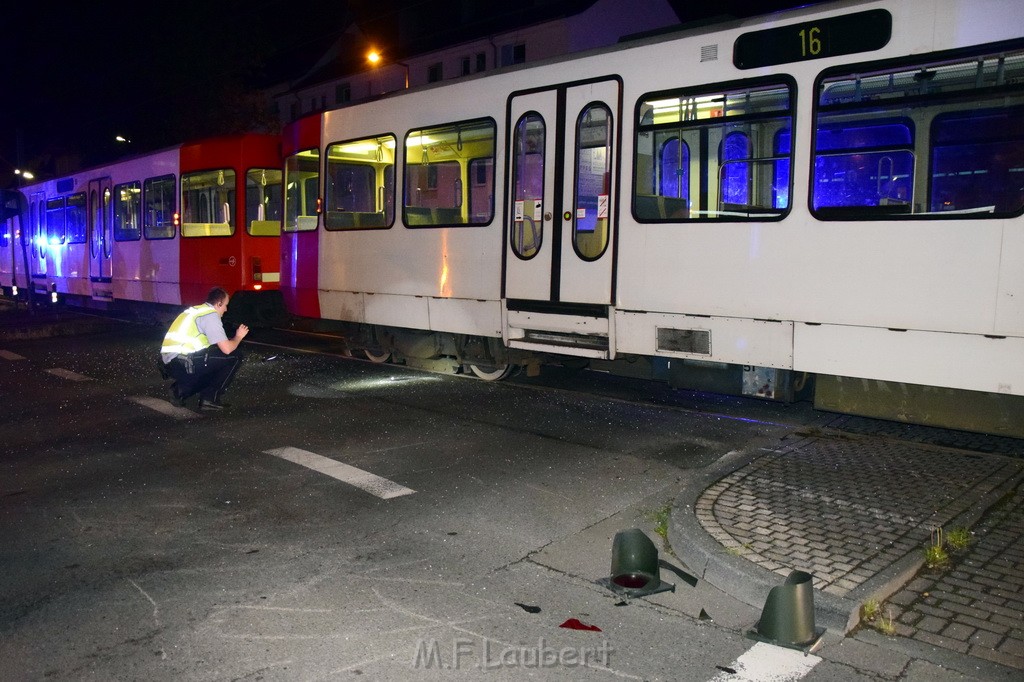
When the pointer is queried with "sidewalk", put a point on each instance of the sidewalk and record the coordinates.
(856, 512)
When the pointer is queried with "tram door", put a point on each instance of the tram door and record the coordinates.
(559, 274)
(37, 248)
(101, 242)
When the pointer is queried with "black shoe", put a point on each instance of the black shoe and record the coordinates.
(176, 398)
(210, 405)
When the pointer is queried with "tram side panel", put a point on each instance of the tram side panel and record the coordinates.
(411, 230)
(145, 259)
(725, 259)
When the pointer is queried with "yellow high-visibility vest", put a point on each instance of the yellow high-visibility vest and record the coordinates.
(184, 336)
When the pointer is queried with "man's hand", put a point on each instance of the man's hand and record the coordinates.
(241, 332)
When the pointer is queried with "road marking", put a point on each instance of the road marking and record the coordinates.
(768, 663)
(364, 480)
(68, 374)
(164, 407)
(8, 355)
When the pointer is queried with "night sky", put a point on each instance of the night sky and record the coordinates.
(76, 75)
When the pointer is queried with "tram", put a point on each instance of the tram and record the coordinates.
(155, 231)
(827, 199)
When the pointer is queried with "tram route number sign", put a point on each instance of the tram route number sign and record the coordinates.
(830, 37)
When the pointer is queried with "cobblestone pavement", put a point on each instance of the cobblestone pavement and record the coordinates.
(976, 606)
(856, 511)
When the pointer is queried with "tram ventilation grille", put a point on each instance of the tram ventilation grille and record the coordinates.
(709, 53)
(684, 340)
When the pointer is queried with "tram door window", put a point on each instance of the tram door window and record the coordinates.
(359, 186)
(263, 202)
(437, 172)
(36, 238)
(159, 217)
(76, 218)
(527, 231)
(301, 190)
(208, 203)
(714, 153)
(593, 181)
(128, 212)
(929, 138)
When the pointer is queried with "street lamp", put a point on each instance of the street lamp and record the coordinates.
(375, 57)
(122, 139)
(25, 175)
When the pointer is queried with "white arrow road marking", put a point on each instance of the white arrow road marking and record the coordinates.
(68, 374)
(769, 663)
(364, 480)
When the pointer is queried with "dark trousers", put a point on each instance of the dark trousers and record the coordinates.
(211, 373)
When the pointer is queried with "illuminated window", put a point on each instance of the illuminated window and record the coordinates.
(128, 212)
(158, 201)
(76, 218)
(712, 154)
(263, 202)
(301, 190)
(528, 185)
(55, 221)
(208, 203)
(593, 181)
(932, 138)
(360, 184)
(438, 163)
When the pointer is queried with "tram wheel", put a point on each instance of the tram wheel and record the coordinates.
(372, 356)
(492, 373)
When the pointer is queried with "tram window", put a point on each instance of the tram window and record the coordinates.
(977, 161)
(527, 231)
(929, 138)
(263, 202)
(127, 212)
(76, 218)
(593, 181)
(360, 184)
(158, 207)
(301, 190)
(442, 165)
(864, 164)
(732, 158)
(208, 203)
(481, 175)
(713, 153)
(55, 221)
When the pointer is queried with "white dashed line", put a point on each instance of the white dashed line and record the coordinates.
(164, 407)
(8, 355)
(364, 480)
(768, 663)
(68, 374)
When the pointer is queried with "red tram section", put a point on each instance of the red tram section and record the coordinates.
(154, 231)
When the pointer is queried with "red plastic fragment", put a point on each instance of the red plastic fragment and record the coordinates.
(575, 624)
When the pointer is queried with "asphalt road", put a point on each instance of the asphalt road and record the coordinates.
(453, 528)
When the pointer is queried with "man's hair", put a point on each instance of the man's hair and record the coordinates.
(216, 295)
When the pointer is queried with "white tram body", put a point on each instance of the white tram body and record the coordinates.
(155, 230)
(834, 189)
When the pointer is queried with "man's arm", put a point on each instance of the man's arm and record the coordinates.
(228, 346)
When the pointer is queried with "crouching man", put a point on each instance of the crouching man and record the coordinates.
(198, 354)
